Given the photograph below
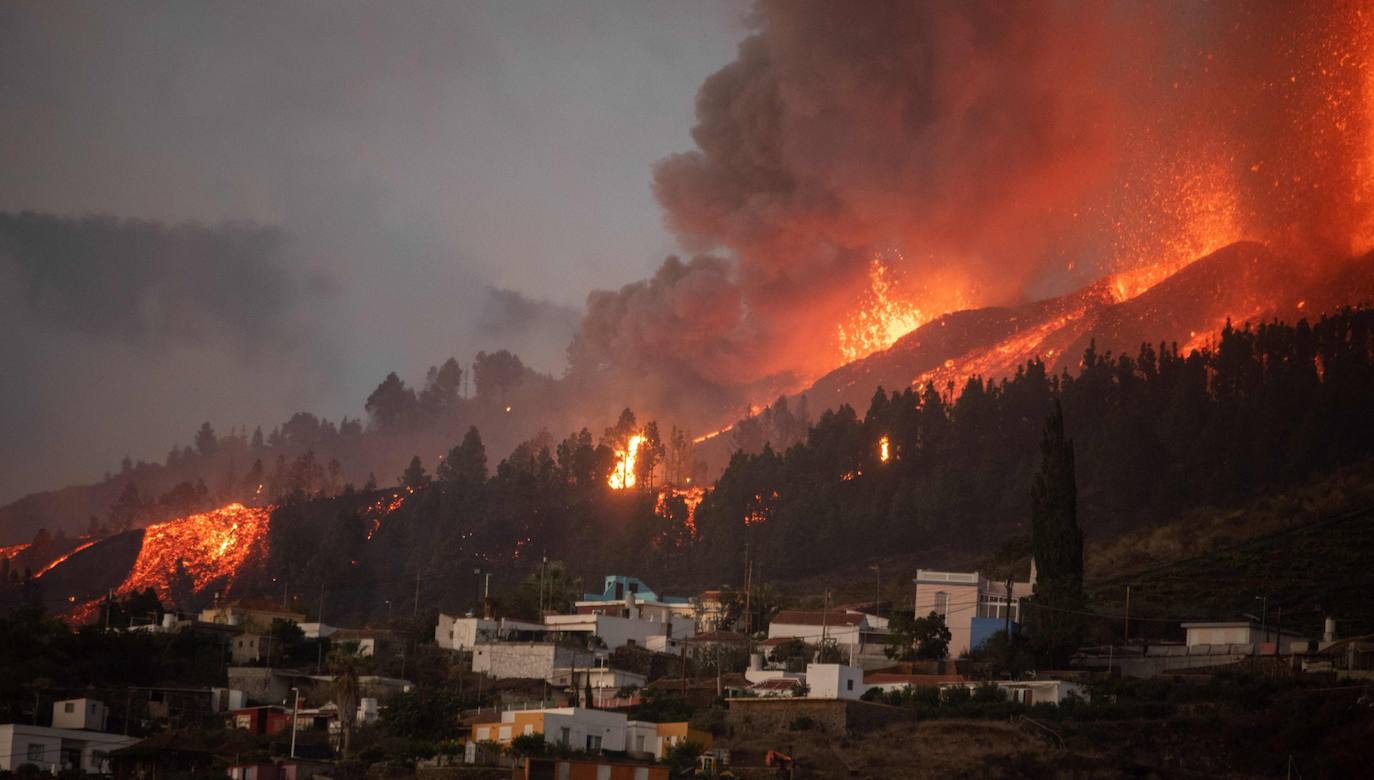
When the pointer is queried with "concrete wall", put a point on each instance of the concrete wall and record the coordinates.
(840, 635)
(79, 714)
(259, 684)
(523, 660)
(51, 747)
(834, 681)
(460, 633)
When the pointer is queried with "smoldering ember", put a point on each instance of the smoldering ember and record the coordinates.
(732, 389)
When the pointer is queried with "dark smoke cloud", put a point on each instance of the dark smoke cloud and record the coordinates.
(1006, 150)
(119, 333)
(948, 129)
(157, 285)
(507, 319)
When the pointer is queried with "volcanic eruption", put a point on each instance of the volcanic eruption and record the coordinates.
(860, 172)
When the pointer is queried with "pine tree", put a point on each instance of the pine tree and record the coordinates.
(414, 476)
(1057, 544)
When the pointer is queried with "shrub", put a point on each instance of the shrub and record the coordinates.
(529, 745)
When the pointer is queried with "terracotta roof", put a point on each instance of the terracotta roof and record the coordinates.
(884, 678)
(731, 680)
(774, 641)
(733, 637)
(798, 617)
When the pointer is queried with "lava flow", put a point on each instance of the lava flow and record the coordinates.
(212, 547)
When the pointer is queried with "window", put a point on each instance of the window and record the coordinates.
(505, 733)
(593, 744)
(35, 753)
(942, 602)
(849, 684)
(639, 743)
(69, 706)
(566, 736)
(529, 729)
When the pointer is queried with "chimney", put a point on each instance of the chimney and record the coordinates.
(1329, 630)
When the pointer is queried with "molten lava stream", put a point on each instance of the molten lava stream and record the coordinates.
(212, 546)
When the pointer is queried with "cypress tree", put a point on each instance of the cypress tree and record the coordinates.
(1057, 544)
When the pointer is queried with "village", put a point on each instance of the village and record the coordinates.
(629, 683)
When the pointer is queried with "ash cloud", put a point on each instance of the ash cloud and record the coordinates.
(1006, 150)
(150, 284)
(120, 332)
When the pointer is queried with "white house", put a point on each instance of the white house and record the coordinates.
(1042, 691)
(52, 749)
(1235, 632)
(973, 606)
(834, 681)
(621, 631)
(601, 678)
(630, 597)
(461, 633)
(79, 714)
(841, 626)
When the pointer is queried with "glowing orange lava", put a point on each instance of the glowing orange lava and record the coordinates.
(623, 476)
(381, 508)
(54, 564)
(212, 546)
(8, 553)
(886, 315)
(883, 452)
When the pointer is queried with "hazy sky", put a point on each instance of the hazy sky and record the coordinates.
(413, 155)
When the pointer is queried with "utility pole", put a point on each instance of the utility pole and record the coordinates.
(415, 610)
(295, 708)
(825, 619)
(878, 602)
(748, 591)
(543, 565)
(1278, 633)
(1006, 625)
(1126, 630)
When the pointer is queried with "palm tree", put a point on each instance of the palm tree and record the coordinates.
(343, 664)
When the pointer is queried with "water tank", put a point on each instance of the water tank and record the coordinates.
(756, 662)
(367, 710)
(169, 620)
(1329, 631)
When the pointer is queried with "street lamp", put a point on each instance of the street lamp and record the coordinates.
(295, 707)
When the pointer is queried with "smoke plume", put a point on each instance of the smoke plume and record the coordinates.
(987, 152)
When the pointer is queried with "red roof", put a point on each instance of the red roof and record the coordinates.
(835, 617)
(886, 678)
(733, 637)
